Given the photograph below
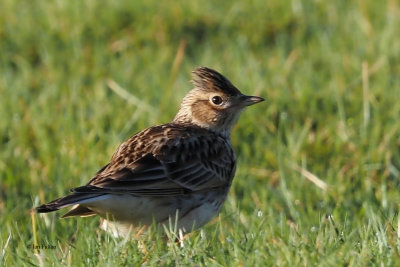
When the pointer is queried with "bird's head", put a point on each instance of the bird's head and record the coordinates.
(213, 103)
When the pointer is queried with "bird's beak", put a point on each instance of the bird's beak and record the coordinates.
(246, 100)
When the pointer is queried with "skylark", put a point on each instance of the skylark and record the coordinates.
(182, 169)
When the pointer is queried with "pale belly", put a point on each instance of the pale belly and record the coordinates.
(124, 212)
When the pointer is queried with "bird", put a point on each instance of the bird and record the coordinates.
(181, 170)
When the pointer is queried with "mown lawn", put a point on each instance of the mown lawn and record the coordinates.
(318, 173)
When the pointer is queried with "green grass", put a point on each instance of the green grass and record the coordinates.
(330, 73)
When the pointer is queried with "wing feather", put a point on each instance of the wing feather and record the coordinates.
(188, 160)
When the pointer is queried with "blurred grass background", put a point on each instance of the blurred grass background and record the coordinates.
(318, 163)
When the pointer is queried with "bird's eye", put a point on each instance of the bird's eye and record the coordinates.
(217, 100)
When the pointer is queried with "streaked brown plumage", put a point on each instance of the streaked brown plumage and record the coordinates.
(185, 166)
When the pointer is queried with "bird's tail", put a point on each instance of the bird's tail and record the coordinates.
(75, 198)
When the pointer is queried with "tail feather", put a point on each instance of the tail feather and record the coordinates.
(65, 202)
(79, 210)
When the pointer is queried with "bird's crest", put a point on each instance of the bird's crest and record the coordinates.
(210, 80)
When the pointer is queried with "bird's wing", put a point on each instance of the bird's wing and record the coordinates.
(180, 163)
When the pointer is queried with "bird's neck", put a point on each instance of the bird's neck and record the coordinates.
(184, 119)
